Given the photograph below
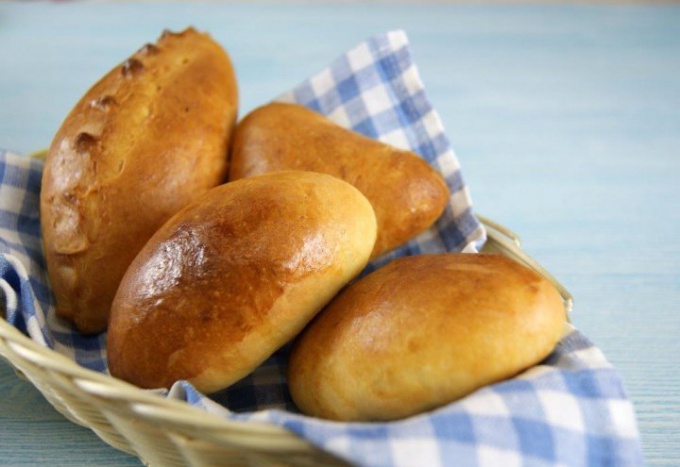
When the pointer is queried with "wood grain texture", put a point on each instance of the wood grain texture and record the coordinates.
(33, 433)
(566, 120)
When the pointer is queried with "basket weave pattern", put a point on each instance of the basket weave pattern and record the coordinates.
(159, 431)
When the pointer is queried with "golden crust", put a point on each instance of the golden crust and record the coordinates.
(145, 140)
(408, 195)
(236, 275)
(421, 332)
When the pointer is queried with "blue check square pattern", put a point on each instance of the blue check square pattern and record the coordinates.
(570, 410)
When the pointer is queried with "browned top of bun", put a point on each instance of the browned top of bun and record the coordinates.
(234, 276)
(421, 332)
(145, 140)
(407, 194)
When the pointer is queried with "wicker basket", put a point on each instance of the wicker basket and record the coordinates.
(167, 432)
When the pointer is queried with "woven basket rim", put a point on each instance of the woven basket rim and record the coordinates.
(101, 385)
(164, 413)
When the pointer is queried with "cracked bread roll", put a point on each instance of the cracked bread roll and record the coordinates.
(421, 332)
(235, 276)
(148, 138)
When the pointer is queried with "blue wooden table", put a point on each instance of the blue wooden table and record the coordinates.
(566, 120)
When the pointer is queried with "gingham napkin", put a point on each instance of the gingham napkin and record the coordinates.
(569, 410)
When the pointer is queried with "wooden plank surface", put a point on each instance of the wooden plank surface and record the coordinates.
(566, 120)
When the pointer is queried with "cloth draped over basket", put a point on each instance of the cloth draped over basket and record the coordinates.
(569, 410)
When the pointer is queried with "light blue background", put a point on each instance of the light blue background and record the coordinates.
(566, 120)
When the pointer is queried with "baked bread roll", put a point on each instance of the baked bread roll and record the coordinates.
(144, 141)
(407, 194)
(236, 275)
(421, 332)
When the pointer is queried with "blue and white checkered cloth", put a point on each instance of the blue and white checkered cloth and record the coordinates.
(569, 410)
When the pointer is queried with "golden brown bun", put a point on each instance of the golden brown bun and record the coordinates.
(421, 332)
(145, 140)
(236, 275)
(407, 194)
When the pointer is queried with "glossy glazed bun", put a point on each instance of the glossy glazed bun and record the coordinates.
(235, 276)
(407, 194)
(421, 332)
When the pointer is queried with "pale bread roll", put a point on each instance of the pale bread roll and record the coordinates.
(407, 194)
(421, 332)
(235, 276)
(148, 138)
